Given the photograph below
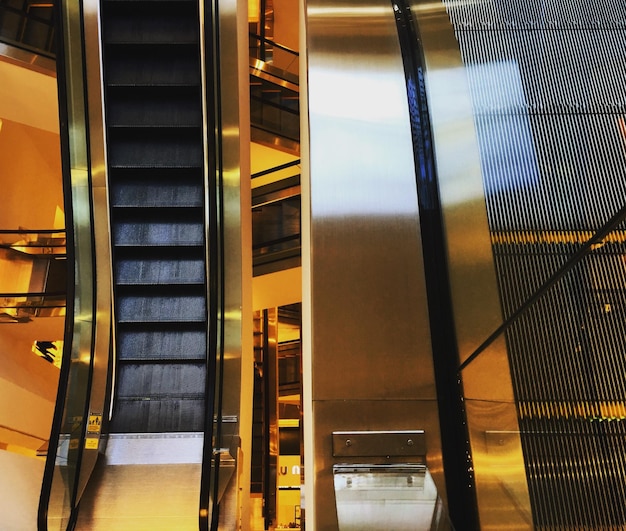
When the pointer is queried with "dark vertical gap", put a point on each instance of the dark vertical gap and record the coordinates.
(267, 516)
(209, 504)
(456, 452)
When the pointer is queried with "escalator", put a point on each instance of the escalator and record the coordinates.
(153, 116)
(153, 468)
(154, 123)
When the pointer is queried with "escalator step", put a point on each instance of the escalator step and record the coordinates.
(177, 381)
(169, 65)
(118, 176)
(154, 106)
(158, 234)
(157, 308)
(150, 23)
(145, 416)
(147, 271)
(162, 344)
(155, 148)
(137, 194)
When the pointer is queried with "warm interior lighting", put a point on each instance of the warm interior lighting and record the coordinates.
(253, 11)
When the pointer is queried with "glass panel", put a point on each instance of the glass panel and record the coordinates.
(69, 450)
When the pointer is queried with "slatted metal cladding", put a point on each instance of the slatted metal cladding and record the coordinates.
(547, 81)
(155, 156)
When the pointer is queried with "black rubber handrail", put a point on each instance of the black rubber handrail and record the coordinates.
(584, 250)
(275, 169)
(209, 480)
(456, 451)
(264, 40)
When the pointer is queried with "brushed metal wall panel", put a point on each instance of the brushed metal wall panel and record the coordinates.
(369, 304)
(370, 341)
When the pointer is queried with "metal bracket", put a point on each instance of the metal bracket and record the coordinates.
(379, 443)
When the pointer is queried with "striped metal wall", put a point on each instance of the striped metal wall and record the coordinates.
(548, 86)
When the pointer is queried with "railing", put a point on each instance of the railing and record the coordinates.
(29, 25)
(276, 231)
(39, 258)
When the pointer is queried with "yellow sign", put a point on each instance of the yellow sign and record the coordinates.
(91, 443)
(95, 423)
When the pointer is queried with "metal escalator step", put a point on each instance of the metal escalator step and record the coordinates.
(156, 148)
(166, 381)
(145, 416)
(157, 271)
(137, 23)
(154, 106)
(161, 344)
(157, 194)
(149, 176)
(156, 309)
(148, 65)
(149, 3)
(158, 234)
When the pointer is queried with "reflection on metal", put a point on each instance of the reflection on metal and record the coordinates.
(62, 475)
(148, 478)
(533, 109)
(227, 466)
(395, 497)
(103, 340)
(379, 443)
(276, 75)
(26, 59)
(487, 390)
(370, 354)
(235, 301)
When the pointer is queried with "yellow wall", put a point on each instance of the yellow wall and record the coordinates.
(30, 171)
(30, 179)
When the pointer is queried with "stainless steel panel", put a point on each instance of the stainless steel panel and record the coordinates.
(393, 497)
(370, 352)
(379, 443)
(474, 289)
(103, 273)
(370, 318)
(359, 415)
(237, 304)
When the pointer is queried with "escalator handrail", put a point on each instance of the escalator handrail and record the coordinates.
(282, 47)
(209, 19)
(275, 169)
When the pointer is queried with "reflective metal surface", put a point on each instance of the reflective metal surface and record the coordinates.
(65, 454)
(370, 354)
(146, 481)
(488, 391)
(236, 309)
(393, 497)
(103, 309)
(547, 98)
